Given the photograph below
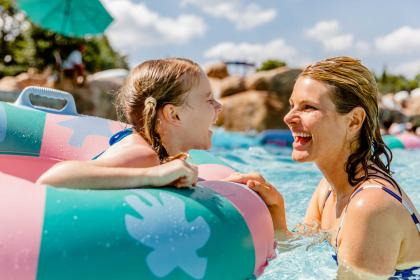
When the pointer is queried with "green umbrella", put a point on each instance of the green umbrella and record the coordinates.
(73, 18)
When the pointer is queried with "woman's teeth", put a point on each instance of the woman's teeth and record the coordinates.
(302, 137)
(301, 134)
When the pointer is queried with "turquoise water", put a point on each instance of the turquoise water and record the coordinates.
(311, 260)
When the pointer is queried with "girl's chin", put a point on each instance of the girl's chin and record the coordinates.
(205, 145)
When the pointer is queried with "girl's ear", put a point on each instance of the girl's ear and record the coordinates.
(356, 118)
(170, 114)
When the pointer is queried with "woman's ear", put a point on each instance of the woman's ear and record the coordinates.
(170, 114)
(357, 117)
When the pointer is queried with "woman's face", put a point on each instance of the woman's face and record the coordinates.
(197, 116)
(319, 131)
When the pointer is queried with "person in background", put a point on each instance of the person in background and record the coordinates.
(413, 125)
(73, 66)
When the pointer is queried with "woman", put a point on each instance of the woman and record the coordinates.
(171, 108)
(334, 121)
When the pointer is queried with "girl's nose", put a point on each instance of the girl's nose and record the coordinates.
(217, 106)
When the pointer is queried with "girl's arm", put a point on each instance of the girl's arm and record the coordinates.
(131, 167)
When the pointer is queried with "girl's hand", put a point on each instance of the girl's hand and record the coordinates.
(178, 173)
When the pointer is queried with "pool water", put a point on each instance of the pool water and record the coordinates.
(312, 259)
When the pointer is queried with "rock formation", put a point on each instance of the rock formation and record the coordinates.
(255, 102)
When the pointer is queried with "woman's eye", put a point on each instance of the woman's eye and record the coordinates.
(309, 107)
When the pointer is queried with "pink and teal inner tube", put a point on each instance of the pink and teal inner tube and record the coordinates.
(217, 230)
(282, 138)
(402, 141)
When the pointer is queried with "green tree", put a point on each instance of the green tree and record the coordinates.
(271, 64)
(15, 52)
(394, 83)
(24, 45)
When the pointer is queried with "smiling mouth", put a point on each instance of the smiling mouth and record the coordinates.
(302, 138)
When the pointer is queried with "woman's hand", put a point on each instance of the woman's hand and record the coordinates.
(272, 198)
(257, 183)
(178, 173)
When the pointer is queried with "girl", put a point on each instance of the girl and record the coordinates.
(171, 108)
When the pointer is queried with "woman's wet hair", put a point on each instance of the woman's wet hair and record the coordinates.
(353, 85)
(150, 86)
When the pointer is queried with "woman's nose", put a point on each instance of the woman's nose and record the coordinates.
(289, 118)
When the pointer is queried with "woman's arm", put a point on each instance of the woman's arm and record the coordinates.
(313, 216)
(275, 204)
(272, 198)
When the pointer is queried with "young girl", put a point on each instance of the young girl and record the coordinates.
(171, 108)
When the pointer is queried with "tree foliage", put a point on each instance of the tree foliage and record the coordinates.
(271, 64)
(393, 83)
(24, 45)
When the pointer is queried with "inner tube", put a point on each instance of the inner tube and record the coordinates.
(215, 230)
(402, 141)
(278, 137)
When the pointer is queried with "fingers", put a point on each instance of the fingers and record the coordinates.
(191, 173)
(258, 187)
(267, 192)
(244, 178)
(188, 175)
(181, 183)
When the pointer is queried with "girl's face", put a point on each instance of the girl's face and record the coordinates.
(319, 131)
(197, 116)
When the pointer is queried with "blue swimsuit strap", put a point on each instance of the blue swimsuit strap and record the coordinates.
(377, 170)
(117, 137)
(388, 191)
(385, 176)
(326, 198)
(120, 135)
(397, 197)
(406, 273)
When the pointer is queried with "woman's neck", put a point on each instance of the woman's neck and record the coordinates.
(334, 171)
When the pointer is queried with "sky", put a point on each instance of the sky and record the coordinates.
(384, 34)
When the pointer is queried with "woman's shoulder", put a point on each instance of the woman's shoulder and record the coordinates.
(373, 201)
